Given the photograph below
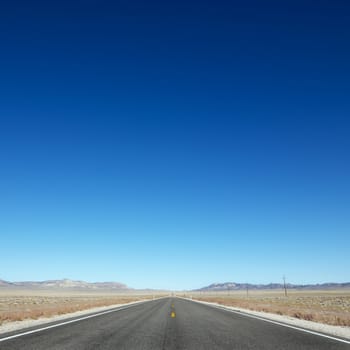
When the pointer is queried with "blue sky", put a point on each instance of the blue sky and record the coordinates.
(172, 145)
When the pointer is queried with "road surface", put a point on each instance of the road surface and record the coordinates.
(169, 323)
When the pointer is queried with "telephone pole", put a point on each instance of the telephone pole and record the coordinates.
(284, 285)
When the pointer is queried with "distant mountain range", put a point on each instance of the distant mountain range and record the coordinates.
(64, 284)
(67, 284)
(243, 286)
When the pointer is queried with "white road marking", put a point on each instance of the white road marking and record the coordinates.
(274, 322)
(72, 321)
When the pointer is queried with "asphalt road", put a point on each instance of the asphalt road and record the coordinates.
(149, 326)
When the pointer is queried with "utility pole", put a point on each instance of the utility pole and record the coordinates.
(285, 286)
(247, 290)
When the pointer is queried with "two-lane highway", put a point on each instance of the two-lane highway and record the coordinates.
(169, 323)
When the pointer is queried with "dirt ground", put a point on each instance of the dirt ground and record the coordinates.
(329, 307)
(21, 305)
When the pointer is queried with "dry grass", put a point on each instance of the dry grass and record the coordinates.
(331, 308)
(21, 307)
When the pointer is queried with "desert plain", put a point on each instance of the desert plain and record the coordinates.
(19, 305)
(330, 307)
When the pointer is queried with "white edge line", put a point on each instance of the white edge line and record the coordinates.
(271, 321)
(115, 309)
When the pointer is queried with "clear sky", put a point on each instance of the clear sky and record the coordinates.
(175, 144)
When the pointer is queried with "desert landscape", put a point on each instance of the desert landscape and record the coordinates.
(35, 300)
(324, 306)
(23, 305)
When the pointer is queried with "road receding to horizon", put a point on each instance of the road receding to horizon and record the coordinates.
(168, 323)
